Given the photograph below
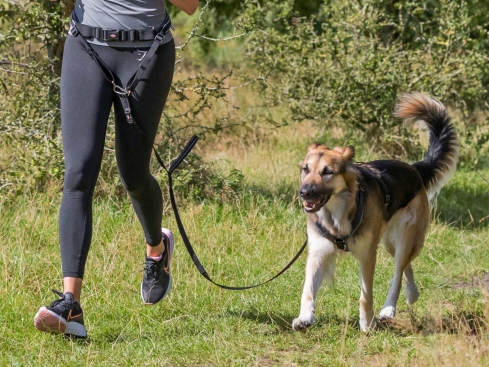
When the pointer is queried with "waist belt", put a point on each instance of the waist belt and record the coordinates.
(123, 92)
(132, 35)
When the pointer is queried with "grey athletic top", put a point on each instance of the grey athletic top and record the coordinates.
(121, 14)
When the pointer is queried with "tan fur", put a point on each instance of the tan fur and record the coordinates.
(403, 234)
(396, 209)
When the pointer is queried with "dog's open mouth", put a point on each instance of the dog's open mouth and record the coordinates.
(314, 206)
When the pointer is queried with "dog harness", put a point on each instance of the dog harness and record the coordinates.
(341, 242)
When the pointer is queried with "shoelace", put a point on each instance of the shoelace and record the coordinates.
(61, 300)
(151, 267)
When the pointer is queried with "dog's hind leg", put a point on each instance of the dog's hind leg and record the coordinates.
(411, 291)
(403, 239)
(320, 263)
(389, 309)
(410, 288)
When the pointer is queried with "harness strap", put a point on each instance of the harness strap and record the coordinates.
(123, 92)
(341, 243)
(110, 35)
(384, 190)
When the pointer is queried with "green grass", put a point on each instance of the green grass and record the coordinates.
(243, 242)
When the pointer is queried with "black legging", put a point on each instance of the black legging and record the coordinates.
(86, 100)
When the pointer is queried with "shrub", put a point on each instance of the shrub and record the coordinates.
(346, 65)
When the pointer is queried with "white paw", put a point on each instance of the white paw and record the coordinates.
(302, 323)
(411, 292)
(387, 313)
(366, 324)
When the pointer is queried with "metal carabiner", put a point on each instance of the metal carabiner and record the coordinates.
(120, 91)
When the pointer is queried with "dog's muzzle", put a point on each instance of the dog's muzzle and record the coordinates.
(312, 199)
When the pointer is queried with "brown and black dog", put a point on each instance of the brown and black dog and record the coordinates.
(352, 206)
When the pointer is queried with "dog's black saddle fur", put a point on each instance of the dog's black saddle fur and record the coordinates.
(401, 181)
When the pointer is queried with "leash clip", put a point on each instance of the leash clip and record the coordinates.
(341, 244)
(120, 91)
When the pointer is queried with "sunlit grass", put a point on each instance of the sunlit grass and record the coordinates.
(241, 242)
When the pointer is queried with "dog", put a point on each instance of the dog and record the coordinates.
(351, 207)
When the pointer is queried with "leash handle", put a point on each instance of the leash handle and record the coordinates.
(191, 143)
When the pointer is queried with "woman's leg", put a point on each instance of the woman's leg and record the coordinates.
(133, 150)
(86, 99)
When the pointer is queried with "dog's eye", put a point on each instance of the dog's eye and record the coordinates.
(327, 172)
(305, 169)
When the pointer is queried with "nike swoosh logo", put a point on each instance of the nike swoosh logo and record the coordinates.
(71, 317)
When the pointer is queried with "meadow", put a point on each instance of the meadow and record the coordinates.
(246, 234)
(242, 241)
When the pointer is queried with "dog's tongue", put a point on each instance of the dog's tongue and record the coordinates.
(310, 204)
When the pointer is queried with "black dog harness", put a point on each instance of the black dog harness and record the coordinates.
(341, 242)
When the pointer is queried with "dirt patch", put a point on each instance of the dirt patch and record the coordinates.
(480, 281)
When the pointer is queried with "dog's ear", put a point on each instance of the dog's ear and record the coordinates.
(350, 177)
(312, 146)
(315, 146)
(347, 152)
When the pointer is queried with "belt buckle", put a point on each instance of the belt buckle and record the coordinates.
(111, 35)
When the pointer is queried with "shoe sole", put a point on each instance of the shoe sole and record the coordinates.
(50, 322)
(171, 246)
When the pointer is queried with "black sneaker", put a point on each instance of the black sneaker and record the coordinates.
(157, 279)
(63, 316)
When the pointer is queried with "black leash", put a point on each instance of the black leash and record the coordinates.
(124, 94)
(191, 143)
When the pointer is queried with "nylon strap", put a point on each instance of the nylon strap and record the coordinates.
(341, 243)
(191, 143)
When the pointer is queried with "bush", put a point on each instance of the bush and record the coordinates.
(346, 65)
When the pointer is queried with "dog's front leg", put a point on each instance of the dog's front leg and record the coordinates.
(367, 262)
(320, 263)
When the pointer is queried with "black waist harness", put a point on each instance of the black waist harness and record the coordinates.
(157, 34)
(108, 35)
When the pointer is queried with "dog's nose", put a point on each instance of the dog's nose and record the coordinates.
(306, 191)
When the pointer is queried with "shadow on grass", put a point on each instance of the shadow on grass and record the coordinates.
(467, 323)
(464, 209)
(283, 321)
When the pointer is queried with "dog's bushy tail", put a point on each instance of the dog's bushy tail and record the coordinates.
(441, 159)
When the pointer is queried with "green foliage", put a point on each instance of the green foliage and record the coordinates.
(31, 154)
(346, 65)
(340, 64)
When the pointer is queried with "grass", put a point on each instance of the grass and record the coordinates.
(240, 242)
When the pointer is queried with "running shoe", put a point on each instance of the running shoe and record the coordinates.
(157, 279)
(63, 316)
